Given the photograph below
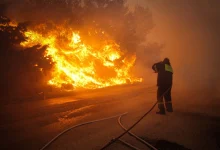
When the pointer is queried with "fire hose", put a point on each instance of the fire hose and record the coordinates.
(78, 125)
(117, 138)
(137, 137)
(127, 131)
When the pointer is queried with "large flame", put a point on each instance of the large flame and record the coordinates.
(82, 65)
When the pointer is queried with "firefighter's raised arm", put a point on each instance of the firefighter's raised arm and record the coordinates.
(155, 67)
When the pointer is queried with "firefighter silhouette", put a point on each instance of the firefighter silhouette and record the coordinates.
(164, 83)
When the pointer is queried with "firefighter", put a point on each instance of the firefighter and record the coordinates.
(164, 83)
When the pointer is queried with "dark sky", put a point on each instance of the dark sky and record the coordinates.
(190, 29)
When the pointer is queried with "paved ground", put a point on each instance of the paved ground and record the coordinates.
(195, 124)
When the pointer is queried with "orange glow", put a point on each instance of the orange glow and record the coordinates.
(11, 24)
(80, 64)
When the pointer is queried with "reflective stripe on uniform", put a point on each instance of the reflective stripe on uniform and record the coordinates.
(168, 68)
(168, 102)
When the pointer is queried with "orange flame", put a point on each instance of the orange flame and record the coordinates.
(82, 65)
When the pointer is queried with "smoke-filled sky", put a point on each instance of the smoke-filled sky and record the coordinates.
(190, 31)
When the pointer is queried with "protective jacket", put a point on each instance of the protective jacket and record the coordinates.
(165, 73)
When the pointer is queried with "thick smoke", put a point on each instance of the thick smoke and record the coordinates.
(128, 28)
(190, 31)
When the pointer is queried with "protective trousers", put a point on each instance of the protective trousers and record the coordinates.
(164, 91)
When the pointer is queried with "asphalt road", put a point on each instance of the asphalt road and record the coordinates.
(31, 124)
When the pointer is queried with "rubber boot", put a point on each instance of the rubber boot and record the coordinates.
(161, 109)
(169, 106)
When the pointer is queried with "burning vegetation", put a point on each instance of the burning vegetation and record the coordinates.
(98, 64)
(70, 44)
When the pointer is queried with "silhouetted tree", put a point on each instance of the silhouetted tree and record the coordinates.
(22, 70)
